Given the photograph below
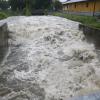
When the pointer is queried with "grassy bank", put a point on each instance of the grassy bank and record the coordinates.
(7, 13)
(87, 20)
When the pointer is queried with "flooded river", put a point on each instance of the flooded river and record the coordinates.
(48, 59)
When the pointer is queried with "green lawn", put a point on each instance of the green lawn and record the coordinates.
(86, 20)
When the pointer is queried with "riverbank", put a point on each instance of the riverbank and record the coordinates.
(86, 20)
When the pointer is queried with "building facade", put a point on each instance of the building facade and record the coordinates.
(82, 7)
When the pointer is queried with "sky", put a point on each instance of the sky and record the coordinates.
(62, 0)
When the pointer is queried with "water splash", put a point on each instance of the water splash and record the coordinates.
(50, 56)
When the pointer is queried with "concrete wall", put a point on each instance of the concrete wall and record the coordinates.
(3, 40)
(92, 35)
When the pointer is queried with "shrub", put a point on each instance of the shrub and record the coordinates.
(2, 15)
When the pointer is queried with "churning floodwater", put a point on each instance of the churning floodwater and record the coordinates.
(48, 59)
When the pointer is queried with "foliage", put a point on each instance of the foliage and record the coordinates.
(29, 4)
(42, 4)
(9, 13)
(4, 4)
(2, 15)
(17, 4)
(57, 5)
(87, 20)
(27, 11)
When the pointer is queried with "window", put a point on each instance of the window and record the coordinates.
(75, 5)
(87, 4)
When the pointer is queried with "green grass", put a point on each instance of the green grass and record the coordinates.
(7, 13)
(86, 20)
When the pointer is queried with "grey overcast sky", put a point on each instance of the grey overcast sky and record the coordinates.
(62, 0)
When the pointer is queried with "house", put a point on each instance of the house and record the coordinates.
(82, 7)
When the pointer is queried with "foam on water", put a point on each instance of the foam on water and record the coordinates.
(49, 60)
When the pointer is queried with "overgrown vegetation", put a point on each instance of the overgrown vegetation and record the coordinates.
(4, 4)
(2, 15)
(87, 20)
(27, 7)
(8, 13)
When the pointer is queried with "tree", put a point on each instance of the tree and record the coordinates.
(57, 5)
(42, 4)
(4, 4)
(29, 5)
(17, 4)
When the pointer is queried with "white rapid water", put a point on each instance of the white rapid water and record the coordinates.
(49, 59)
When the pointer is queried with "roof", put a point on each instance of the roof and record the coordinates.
(72, 1)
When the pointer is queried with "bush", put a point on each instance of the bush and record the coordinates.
(2, 15)
(26, 11)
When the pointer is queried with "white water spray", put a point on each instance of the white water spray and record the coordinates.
(49, 60)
